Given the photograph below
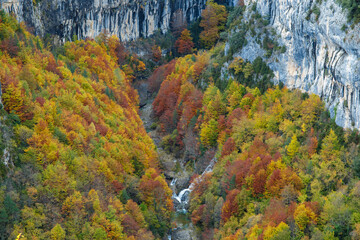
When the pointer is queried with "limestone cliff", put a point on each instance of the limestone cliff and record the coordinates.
(128, 19)
(323, 53)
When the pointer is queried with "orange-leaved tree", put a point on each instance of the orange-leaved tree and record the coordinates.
(213, 20)
(184, 44)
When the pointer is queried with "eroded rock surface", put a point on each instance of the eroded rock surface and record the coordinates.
(323, 53)
(128, 19)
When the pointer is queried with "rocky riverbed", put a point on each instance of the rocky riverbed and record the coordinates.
(178, 177)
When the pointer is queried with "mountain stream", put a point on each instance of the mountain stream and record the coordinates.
(179, 179)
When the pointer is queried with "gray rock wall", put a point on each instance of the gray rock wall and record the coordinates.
(128, 19)
(321, 58)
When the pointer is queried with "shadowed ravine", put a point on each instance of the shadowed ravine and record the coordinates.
(174, 170)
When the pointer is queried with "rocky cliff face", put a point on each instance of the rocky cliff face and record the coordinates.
(128, 19)
(321, 56)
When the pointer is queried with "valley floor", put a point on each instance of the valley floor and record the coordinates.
(182, 228)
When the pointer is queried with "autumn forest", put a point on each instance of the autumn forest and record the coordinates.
(78, 162)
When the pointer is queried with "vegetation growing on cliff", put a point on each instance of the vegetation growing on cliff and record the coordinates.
(352, 6)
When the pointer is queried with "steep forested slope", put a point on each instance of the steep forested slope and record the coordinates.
(82, 165)
(284, 169)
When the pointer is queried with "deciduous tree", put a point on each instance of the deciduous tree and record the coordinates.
(184, 44)
(213, 20)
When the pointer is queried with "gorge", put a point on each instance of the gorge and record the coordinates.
(242, 123)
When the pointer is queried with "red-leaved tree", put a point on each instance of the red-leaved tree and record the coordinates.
(184, 44)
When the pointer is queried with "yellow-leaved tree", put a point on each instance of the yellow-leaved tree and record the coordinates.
(293, 147)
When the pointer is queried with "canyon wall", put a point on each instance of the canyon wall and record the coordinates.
(128, 19)
(322, 56)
